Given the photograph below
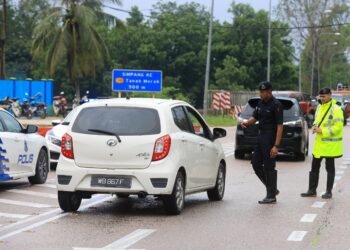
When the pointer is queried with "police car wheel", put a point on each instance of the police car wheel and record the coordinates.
(239, 154)
(69, 201)
(175, 202)
(41, 170)
(217, 193)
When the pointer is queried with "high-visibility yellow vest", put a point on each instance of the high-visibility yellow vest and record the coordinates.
(330, 142)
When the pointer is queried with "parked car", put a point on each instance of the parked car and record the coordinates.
(23, 153)
(307, 105)
(140, 146)
(54, 137)
(295, 137)
(344, 102)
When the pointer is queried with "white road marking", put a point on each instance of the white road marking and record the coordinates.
(308, 218)
(23, 203)
(26, 192)
(318, 204)
(340, 172)
(17, 216)
(337, 177)
(47, 185)
(126, 241)
(297, 236)
(48, 220)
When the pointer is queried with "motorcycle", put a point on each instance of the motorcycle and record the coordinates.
(26, 109)
(38, 108)
(12, 106)
(60, 106)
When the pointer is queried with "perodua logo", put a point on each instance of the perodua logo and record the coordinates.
(112, 142)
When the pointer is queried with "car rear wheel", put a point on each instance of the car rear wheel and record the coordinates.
(41, 169)
(300, 156)
(217, 193)
(69, 201)
(239, 154)
(175, 202)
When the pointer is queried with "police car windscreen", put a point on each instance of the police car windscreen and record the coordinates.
(118, 120)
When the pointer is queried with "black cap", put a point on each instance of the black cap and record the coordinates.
(265, 86)
(325, 91)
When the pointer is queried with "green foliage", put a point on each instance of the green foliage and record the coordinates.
(220, 121)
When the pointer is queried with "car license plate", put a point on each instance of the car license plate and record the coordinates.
(110, 181)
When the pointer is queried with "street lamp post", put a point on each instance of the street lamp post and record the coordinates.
(269, 45)
(206, 84)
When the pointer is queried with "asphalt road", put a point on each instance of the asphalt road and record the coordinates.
(31, 219)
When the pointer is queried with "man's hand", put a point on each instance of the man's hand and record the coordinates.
(317, 130)
(244, 124)
(273, 152)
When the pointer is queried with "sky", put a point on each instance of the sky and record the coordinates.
(220, 6)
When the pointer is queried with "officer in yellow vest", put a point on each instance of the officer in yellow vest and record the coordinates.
(328, 127)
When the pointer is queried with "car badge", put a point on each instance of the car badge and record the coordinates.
(112, 142)
(25, 146)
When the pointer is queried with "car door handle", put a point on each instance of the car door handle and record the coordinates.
(16, 139)
(183, 140)
(201, 144)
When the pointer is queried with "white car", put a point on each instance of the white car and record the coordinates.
(54, 137)
(23, 152)
(140, 146)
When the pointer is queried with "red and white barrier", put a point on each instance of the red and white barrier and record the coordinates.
(221, 100)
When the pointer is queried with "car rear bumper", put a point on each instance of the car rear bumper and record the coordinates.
(157, 179)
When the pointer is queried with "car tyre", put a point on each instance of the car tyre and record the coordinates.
(175, 202)
(239, 154)
(217, 193)
(300, 156)
(41, 169)
(69, 201)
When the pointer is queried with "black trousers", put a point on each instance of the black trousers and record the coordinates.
(261, 161)
(316, 165)
(263, 165)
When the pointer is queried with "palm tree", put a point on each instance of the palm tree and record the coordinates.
(67, 33)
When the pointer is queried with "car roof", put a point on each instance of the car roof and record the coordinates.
(150, 102)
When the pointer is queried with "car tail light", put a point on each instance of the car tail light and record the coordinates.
(161, 148)
(67, 146)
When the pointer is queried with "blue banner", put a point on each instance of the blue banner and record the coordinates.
(137, 80)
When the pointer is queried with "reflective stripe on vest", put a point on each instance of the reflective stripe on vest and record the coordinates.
(331, 139)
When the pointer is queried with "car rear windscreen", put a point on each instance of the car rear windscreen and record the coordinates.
(118, 120)
(293, 111)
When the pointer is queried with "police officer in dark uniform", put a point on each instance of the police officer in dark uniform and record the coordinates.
(269, 113)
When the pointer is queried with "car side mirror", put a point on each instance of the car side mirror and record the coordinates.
(338, 103)
(219, 133)
(55, 122)
(31, 129)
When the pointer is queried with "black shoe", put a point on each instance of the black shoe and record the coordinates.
(327, 195)
(268, 201)
(309, 193)
(277, 192)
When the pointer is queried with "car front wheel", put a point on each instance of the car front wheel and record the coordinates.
(41, 169)
(217, 193)
(69, 201)
(175, 202)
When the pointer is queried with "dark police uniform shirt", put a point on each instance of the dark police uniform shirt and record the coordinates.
(269, 114)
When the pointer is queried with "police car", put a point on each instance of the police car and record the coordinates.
(23, 152)
(140, 146)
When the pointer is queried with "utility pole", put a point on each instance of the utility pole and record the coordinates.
(3, 40)
(300, 55)
(269, 45)
(206, 84)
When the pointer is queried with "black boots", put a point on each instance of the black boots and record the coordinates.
(262, 177)
(313, 183)
(330, 182)
(271, 188)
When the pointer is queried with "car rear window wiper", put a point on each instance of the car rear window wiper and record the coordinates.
(106, 133)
